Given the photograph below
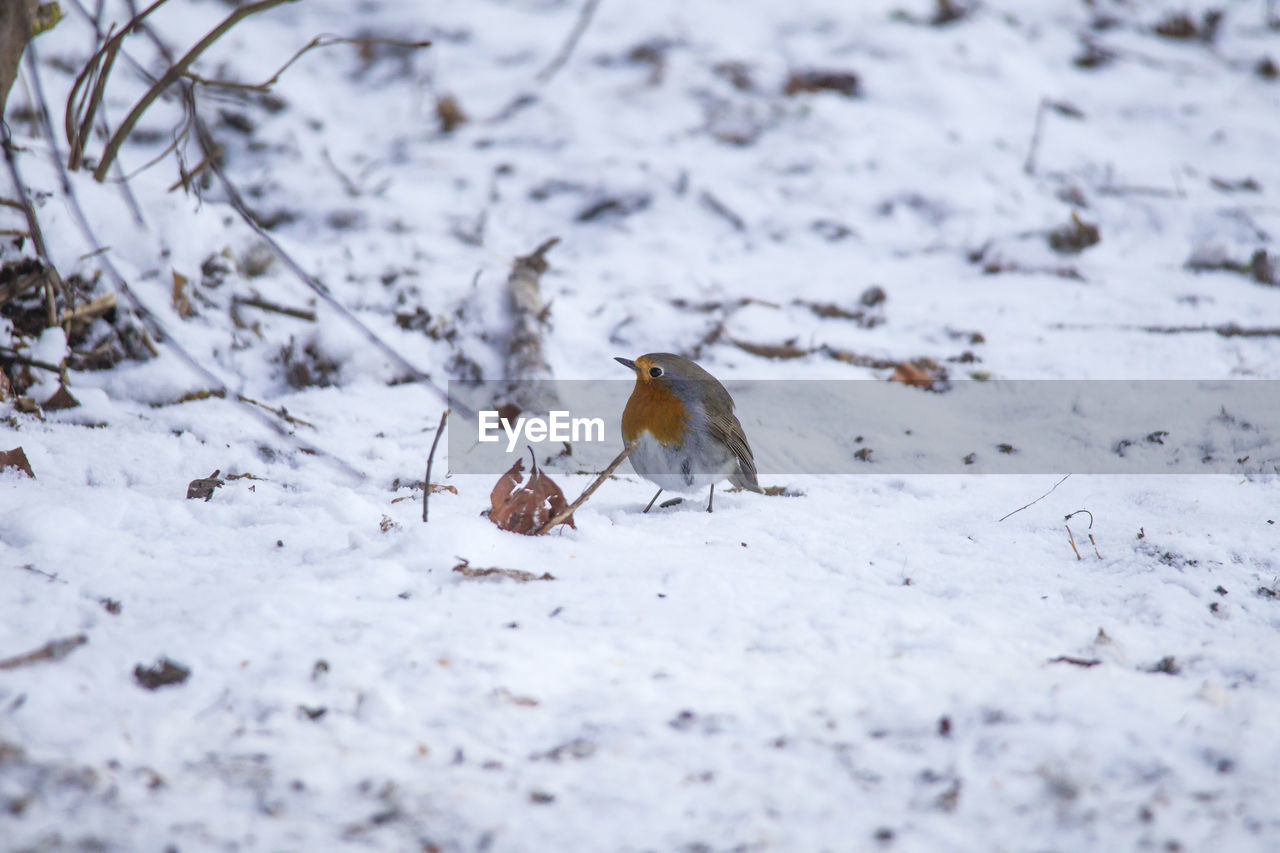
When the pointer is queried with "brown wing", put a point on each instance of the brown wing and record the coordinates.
(725, 426)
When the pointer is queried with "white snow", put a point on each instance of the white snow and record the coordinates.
(870, 665)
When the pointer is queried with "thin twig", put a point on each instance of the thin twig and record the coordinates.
(76, 156)
(326, 40)
(255, 302)
(1072, 515)
(52, 280)
(185, 175)
(90, 310)
(1092, 542)
(52, 578)
(431, 457)
(74, 129)
(282, 413)
(1072, 540)
(151, 325)
(1075, 661)
(582, 498)
(7, 354)
(238, 203)
(167, 79)
(1030, 165)
(1037, 500)
(580, 27)
(212, 161)
(54, 650)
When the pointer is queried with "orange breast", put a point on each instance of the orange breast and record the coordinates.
(656, 409)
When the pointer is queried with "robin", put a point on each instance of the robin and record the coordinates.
(689, 436)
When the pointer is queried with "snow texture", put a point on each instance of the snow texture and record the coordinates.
(869, 662)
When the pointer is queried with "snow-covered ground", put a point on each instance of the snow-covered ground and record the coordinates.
(867, 662)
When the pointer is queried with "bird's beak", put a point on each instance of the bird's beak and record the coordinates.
(626, 362)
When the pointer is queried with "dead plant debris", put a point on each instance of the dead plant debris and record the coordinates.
(162, 673)
(50, 652)
(1075, 661)
(1179, 26)
(525, 505)
(811, 80)
(204, 487)
(16, 458)
(922, 373)
(449, 113)
(465, 569)
(1074, 237)
(1167, 665)
(60, 399)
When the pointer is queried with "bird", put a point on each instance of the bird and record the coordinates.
(688, 435)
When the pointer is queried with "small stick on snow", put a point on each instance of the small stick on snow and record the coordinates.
(582, 498)
(584, 19)
(264, 305)
(282, 413)
(54, 650)
(1037, 500)
(1030, 165)
(319, 41)
(1091, 540)
(1072, 515)
(1072, 540)
(431, 457)
(9, 355)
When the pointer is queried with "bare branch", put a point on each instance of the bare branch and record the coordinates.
(52, 281)
(170, 76)
(1037, 500)
(264, 305)
(590, 490)
(110, 46)
(151, 324)
(580, 27)
(54, 650)
(326, 40)
(426, 484)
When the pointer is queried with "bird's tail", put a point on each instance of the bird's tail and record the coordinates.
(745, 479)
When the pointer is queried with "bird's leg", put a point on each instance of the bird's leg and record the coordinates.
(710, 496)
(655, 497)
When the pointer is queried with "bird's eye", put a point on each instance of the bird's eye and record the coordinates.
(655, 372)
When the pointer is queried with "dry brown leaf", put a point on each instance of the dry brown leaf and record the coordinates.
(917, 374)
(181, 301)
(524, 505)
(450, 113)
(16, 458)
(464, 569)
(61, 399)
(28, 406)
